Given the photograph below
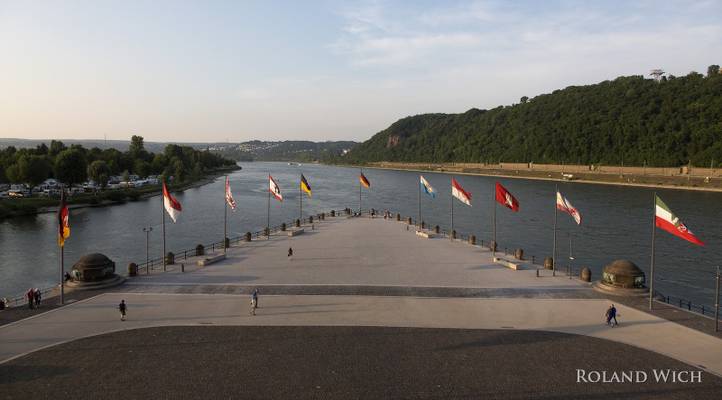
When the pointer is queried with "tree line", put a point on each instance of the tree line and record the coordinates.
(627, 121)
(76, 164)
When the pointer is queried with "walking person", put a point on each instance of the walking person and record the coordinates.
(31, 298)
(254, 301)
(290, 252)
(37, 296)
(123, 309)
(613, 315)
(608, 315)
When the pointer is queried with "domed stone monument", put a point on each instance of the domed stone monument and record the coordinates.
(94, 271)
(622, 278)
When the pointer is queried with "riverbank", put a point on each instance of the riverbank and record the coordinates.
(606, 176)
(30, 206)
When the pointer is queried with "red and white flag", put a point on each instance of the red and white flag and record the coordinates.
(229, 195)
(459, 192)
(664, 219)
(171, 205)
(274, 189)
(564, 205)
(505, 198)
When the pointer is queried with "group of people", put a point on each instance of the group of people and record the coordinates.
(34, 296)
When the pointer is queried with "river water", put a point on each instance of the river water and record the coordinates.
(616, 222)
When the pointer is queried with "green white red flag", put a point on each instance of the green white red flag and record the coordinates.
(665, 219)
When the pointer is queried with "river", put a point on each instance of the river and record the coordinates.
(616, 222)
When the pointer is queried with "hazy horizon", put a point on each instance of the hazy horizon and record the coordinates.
(223, 71)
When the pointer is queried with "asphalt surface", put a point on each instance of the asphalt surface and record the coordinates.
(220, 362)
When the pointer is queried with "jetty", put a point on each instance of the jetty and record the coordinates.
(378, 289)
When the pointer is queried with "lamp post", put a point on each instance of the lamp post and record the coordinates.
(147, 231)
(571, 256)
(716, 302)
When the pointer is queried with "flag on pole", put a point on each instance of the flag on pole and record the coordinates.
(505, 198)
(564, 205)
(229, 195)
(274, 189)
(63, 220)
(664, 219)
(459, 192)
(364, 181)
(428, 189)
(171, 205)
(305, 186)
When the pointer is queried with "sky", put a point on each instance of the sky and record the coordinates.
(200, 71)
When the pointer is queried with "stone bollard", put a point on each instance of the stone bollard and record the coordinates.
(453, 234)
(493, 245)
(409, 221)
(283, 227)
(548, 263)
(170, 258)
(398, 217)
(472, 239)
(437, 229)
(333, 213)
(298, 223)
(227, 242)
(133, 269)
(200, 250)
(585, 274)
(519, 254)
(247, 237)
(310, 219)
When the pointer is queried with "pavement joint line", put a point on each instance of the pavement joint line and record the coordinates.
(50, 311)
(543, 288)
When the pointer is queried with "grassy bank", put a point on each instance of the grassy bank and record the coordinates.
(684, 182)
(30, 206)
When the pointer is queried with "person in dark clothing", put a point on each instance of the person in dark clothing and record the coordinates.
(67, 276)
(290, 251)
(31, 298)
(254, 301)
(613, 315)
(122, 308)
(37, 296)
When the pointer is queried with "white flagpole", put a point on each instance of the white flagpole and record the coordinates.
(554, 250)
(651, 264)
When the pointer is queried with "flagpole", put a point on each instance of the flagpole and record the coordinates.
(452, 209)
(493, 218)
(268, 209)
(162, 213)
(419, 221)
(300, 202)
(359, 191)
(554, 249)
(651, 267)
(225, 215)
(62, 253)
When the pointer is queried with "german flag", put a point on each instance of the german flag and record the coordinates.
(63, 220)
(364, 181)
(305, 186)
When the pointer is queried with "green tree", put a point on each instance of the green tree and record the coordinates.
(56, 147)
(141, 168)
(71, 166)
(34, 169)
(178, 170)
(13, 174)
(713, 70)
(99, 171)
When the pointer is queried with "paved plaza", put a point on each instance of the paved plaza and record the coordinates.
(367, 273)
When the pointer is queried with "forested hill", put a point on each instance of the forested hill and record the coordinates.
(629, 120)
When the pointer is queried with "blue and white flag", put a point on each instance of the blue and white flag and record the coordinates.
(426, 186)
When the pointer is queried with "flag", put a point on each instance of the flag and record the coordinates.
(459, 192)
(505, 198)
(171, 205)
(564, 205)
(664, 219)
(427, 187)
(229, 195)
(305, 186)
(274, 189)
(364, 181)
(63, 220)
